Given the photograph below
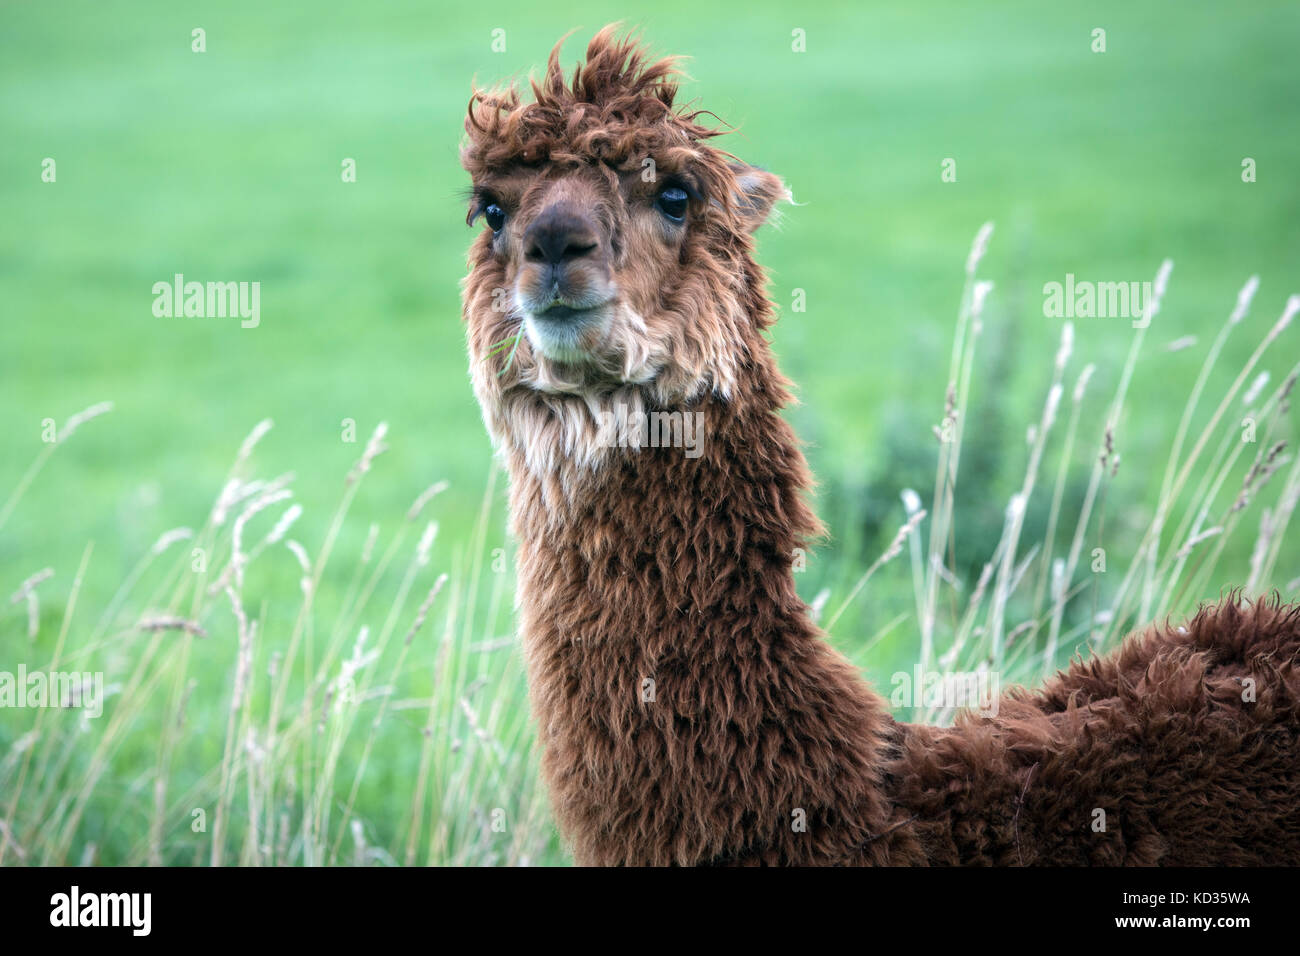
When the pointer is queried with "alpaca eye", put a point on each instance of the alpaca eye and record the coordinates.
(495, 216)
(672, 203)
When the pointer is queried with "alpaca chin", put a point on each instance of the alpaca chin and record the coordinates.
(570, 341)
(609, 347)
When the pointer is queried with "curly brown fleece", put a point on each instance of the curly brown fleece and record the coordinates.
(689, 710)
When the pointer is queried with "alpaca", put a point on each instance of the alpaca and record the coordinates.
(689, 711)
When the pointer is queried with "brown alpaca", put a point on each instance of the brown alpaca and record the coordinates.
(688, 708)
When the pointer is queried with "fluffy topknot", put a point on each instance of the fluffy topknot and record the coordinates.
(616, 109)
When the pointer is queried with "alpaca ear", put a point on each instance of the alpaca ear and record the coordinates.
(757, 194)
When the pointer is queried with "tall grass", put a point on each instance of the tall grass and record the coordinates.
(1037, 603)
(361, 700)
(244, 721)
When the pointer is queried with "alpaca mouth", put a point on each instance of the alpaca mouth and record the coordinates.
(562, 313)
(563, 333)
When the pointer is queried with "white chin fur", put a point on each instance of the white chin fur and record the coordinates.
(559, 341)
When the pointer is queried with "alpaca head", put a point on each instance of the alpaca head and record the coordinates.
(614, 261)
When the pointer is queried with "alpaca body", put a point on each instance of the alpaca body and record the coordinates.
(757, 743)
(688, 709)
(1146, 756)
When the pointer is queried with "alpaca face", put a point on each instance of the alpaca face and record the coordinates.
(614, 262)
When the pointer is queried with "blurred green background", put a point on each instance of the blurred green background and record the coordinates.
(225, 165)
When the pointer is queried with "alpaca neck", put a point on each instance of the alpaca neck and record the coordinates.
(689, 710)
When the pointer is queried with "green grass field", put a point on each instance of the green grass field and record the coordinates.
(225, 165)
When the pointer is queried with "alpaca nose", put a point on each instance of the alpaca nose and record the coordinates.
(558, 236)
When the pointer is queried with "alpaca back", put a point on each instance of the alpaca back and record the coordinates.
(1180, 748)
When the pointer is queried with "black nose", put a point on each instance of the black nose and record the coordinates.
(559, 236)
